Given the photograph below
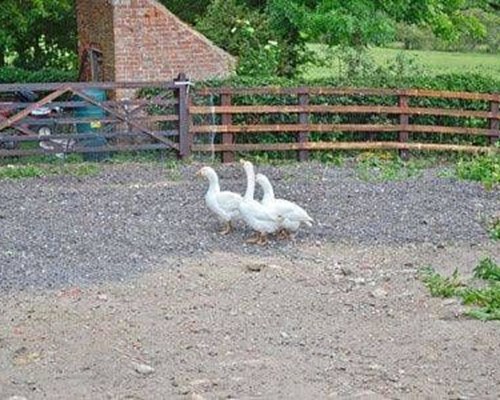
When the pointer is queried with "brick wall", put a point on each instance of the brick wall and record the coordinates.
(143, 41)
(95, 29)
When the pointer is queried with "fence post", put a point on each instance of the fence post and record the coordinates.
(403, 122)
(494, 120)
(227, 120)
(185, 137)
(303, 137)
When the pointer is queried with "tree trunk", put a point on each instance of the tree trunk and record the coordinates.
(2, 57)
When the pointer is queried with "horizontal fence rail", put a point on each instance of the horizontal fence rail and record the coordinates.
(98, 118)
(317, 91)
(320, 118)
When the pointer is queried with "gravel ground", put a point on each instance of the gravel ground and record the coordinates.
(119, 287)
(71, 231)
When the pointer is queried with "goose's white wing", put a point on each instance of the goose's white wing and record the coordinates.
(229, 200)
(291, 211)
(223, 204)
(259, 217)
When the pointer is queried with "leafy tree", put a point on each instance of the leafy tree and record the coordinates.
(267, 35)
(245, 33)
(264, 35)
(364, 22)
(294, 23)
(491, 38)
(187, 10)
(285, 21)
(42, 33)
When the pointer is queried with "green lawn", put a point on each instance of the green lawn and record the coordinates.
(435, 62)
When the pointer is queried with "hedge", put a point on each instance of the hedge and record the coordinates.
(19, 75)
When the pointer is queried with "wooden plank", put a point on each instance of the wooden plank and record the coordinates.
(185, 136)
(105, 120)
(448, 94)
(72, 136)
(293, 128)
(345, 146)
(272, 90)
(372, 109)
(17, 127)
(454, 130)
(33, 106)
(101, 149)
(275, 90)
(303, 136)
(130, 103)
(494, 121)
(288, 128)
(36, 87)
(227, 119)
(403, 121)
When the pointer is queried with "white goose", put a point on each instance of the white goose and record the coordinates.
(255, 214)
(291, 214)
(224, 204)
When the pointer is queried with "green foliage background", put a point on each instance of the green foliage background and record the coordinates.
(268, 36)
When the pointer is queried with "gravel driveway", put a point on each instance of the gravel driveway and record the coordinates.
(119, 287)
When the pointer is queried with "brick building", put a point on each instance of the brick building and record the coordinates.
(140, 40)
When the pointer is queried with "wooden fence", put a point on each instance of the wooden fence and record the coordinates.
(226, 121)
(405, 120)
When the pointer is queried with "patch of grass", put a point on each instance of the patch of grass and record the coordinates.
(84, 169)
(335, 158)
(487, 300)
(494, 229)
(487, 269)
(482, 168)
(23, 171)
(434, 62)
(485, 314)
(484, 298)
(42, 159)
(383, 167)
(442, 286)
(439, 62)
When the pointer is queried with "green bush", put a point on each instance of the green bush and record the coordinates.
(266, 43)
(23, 171)
(244, 33)
(19, 75)
(484, 168)
(483, 35)
(415, 37)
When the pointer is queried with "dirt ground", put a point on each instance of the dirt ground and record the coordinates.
(326, 320)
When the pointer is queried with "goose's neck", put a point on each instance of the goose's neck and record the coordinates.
(250, 183)
(213, 183)
(268, 190)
